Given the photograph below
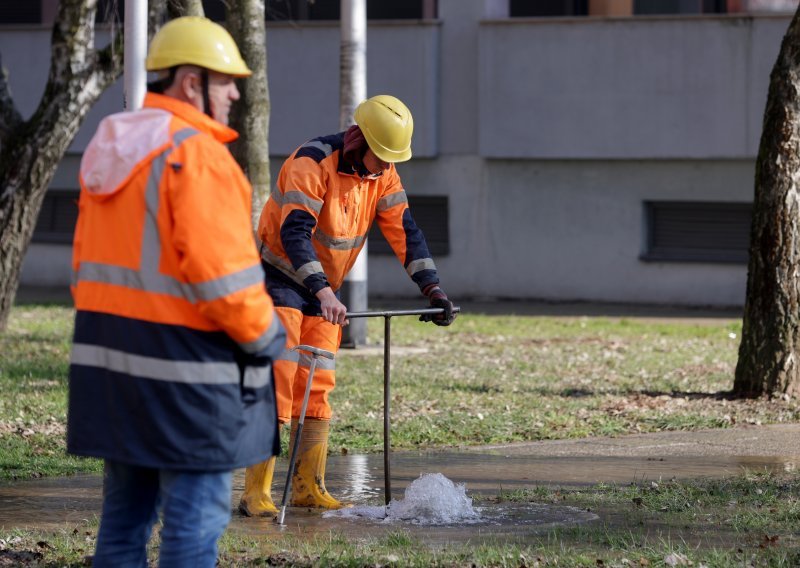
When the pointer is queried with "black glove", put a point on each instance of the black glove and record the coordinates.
(438, 299)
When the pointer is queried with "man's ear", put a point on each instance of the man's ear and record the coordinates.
(190, 87)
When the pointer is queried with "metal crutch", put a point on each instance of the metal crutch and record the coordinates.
(315, 354)
(387, 342)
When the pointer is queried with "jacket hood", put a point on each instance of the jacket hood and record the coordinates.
(120, 146)
(126, 141)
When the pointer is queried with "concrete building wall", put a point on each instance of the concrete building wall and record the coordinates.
(625, 88)
(569, 230)
(546, 135)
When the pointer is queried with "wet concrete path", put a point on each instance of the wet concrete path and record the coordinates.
(54, 503)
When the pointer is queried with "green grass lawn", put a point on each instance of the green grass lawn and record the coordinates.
(484, 380)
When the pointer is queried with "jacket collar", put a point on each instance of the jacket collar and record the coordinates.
(190, 114)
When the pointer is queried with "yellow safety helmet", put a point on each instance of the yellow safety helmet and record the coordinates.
(387, 125)
(192, 40)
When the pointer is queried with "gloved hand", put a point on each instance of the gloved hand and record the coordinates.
(438, 299)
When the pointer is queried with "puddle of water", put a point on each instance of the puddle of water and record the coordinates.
(56, 502)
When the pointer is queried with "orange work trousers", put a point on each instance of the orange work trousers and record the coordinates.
(291, 368)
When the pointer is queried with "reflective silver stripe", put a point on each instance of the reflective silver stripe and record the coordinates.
(327, 149)
(299, 198)
(420, 264)
(274, 260)
(391, 200)
(339, 243)
(308, 269)
(188, 372)
(257, 377)
(228, 284)
(182, 135)
(266, 338)
(136, 279)
(322, 363)
(289, 355)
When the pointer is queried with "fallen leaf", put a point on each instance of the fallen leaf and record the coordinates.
(769, 541)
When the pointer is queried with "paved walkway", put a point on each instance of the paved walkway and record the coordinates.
(776, 440)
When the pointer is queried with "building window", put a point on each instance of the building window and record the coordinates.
(545, 8)
(648, 7)
(278, 10)
(56, 223)
(682, 231)
(17, 12)
(430, 212)
(114, 10)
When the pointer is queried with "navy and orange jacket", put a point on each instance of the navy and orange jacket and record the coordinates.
(174, 332)
(316, 221)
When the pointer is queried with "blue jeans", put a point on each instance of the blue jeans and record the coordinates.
(195, 506)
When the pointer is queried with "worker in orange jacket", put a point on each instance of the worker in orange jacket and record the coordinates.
(329, 192)
(170, 374)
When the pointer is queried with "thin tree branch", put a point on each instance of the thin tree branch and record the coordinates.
(10, 118)
(178, 8)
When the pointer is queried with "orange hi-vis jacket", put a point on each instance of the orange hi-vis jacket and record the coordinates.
(316, 221)
(175, 333)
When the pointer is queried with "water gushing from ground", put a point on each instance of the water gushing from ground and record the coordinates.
(431, 499)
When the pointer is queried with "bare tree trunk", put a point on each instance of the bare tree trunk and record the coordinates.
(246, 22)
(768, 353)
(31, 150)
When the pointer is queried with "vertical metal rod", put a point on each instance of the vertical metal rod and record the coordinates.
(387, 446)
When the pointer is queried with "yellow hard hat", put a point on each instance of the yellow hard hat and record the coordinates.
(196, 41)
(387, 125)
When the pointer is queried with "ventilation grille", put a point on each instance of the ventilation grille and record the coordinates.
(697, 231)
(430, 212)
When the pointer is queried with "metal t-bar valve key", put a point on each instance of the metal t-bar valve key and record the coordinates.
(387, 316)
(316, 353)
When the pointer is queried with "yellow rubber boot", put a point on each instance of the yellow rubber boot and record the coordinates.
(308, 481)
(256, 500)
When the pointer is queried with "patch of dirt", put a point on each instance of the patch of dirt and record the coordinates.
(20, 558)
(52, 427)
(720, 404)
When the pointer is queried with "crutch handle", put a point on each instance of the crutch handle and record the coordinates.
(314, 350)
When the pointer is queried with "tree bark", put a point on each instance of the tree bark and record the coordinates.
(768, 353)
(250, 117)
(31, 149)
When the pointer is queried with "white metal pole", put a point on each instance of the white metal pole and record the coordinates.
(353, 90)
(135, 52)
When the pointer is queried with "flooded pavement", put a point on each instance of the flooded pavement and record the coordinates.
(54, 503)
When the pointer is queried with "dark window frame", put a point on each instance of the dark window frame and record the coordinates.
(328, 10)
(19, 12)
(547, 9)
(679, 7)
(672, 230)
